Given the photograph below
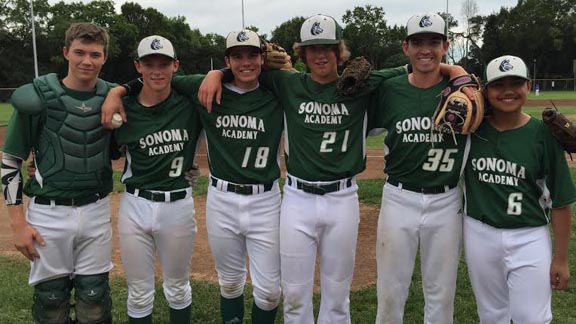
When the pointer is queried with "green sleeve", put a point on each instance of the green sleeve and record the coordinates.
(187, 85)
(274, 80)
(21, 133)
(26, 100)
(377, 76)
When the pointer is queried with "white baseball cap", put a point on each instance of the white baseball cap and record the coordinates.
(506, 66)
(429, 23)
(320, 30)
(155, 45)
(243, 38)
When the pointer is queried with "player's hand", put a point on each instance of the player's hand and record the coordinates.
(113, 104)
(559, 275)
(193, 174)
(211, 88)
(24, 238)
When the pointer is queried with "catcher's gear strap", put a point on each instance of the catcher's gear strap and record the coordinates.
(93, 302)
(456, 112)
(11, 179)
(52, 301)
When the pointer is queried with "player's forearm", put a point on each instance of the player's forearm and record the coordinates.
(210, 88)
(561, 225)
(16, 216)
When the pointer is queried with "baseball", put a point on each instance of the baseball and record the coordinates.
(116, 120)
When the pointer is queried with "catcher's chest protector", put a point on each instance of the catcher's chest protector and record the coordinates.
(72, 152)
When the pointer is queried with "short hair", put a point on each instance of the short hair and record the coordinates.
(87, 32)
(342, 52)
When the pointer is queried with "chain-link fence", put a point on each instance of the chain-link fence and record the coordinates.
(554, 84)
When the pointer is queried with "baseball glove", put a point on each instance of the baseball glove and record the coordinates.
(562, 128)
(457, 113)
(354, 77)
(276, 58)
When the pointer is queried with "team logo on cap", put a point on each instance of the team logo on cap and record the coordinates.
(156, 45)
(505, 66)
(425, 22)
(316, 29)
(242, 36)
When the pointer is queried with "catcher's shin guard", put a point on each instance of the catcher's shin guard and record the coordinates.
(52, 301)
(93, 302)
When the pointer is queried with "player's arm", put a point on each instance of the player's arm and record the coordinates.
(24, 235)
(561, 225)
(211, 87)
(452, 71)
(113, 102)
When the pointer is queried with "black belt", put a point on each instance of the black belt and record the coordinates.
(157, 196)
(320, 189)
(76, 202)
(424, 190)
(241, 189)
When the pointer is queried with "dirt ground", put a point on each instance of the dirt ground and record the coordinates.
(202, 264)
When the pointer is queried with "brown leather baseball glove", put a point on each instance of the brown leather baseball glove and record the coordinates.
(457, 113)
(562, 128)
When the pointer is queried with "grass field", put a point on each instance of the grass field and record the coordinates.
(5, 113)
(555, 95)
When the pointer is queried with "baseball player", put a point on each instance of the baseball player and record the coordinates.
(156, 215)
(421, 200)
(66, 232)
(514, 188)
(243, 204)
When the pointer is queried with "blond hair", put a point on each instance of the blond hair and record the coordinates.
(341, 50)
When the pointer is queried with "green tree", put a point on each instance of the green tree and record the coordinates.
(287, 34)
(535, 30)
(367, 34)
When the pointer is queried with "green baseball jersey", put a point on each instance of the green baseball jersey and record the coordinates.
(325, 132)
(415, 152)
(242, 134)
(160, 142)
(26, 131)
(512, 182)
